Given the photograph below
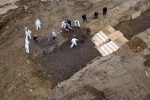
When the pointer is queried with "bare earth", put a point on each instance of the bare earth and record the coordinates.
(6, 5)
(133, 27)
(81, 72)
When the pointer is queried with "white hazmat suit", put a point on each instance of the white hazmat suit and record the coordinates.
(77, 23)
(28, 33)
(54, 34)
(63, 24)
(27, 46)
(28, 36)
(38, 24)
(74, 42)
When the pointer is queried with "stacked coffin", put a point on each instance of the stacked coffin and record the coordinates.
(110, 42)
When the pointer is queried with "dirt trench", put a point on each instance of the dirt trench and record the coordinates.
(133, 27)
(64, 61)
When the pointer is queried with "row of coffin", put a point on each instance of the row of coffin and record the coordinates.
(108, 41)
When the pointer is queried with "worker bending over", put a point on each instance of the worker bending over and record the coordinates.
(77, 23)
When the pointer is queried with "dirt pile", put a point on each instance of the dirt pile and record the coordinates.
(6, 5)
(147, 97)
(137, 44)
(133, 27)
(147, 62)
(86, 90)
(24, 76)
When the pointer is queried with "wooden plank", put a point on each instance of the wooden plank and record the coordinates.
(104, 35)
(114, 45)
(99, 49)
(111, 46)
(121, 41)
(108, 48)
(101, 37)
(104, 50)
(98, 39)
(110, 29)
(95, 42)
(115, 35)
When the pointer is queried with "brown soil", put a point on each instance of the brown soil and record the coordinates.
(87, 89)
(147, 62)
(64, 61)
(137, 44)
(147, 56)
(23, 76)
(99, 95)
(133, 27)
(147, 97)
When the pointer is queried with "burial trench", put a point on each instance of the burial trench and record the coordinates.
(131, 28)
(63, 62)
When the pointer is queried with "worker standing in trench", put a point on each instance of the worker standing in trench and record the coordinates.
(66, 25)
(95, 15)
(38, 24)
(77, 23)
(27, 46)
(28, 36)
(54, 34)
(73, 42)
(84, 18)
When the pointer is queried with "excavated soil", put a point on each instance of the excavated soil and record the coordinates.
(147, 60)
(65, 61)
(147, 63)
(25, 77)
(98, 95)
(133, 27)
(137, 44)
(147, 97)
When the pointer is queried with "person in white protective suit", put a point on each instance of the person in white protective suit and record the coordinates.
(77, 23)
(28, 33)
(73, 42)
(63, 24)
(66, 25)
(38, 24)
(28, 36)
(27, 45)
(54, 34)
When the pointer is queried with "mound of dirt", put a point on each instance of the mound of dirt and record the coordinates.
(137, 44)
(147, 97)
(147, 56)
(99, 95)
(83, 5)
(147, 62)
